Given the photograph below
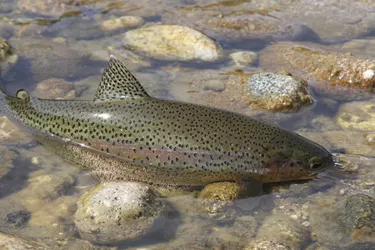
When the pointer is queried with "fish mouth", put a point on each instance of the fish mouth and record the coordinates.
(313, 174)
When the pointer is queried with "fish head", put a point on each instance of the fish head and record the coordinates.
(301, 162)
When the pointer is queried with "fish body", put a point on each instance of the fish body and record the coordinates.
(124, 134)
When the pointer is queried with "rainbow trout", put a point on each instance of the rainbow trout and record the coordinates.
(124, 134)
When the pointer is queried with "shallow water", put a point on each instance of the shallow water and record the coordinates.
(38, 190)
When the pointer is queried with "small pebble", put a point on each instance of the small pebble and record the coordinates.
(35, 160)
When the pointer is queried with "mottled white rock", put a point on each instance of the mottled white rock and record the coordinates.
(277, 91)
(118, 211)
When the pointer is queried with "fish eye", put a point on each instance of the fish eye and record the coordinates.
(315, 163)
(22, 94)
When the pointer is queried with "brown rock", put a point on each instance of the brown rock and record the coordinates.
(324, 65)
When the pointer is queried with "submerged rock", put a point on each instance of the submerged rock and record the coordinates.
(237, 20)
(13, 216)
(267, 245)
(6, 29)
(276, 91)
(283, 230)
(121, 23)
(358, 116)
(243, 59)
(54, 88)
(113, 212)
(6, 164)
(7, 57)
(221, 191)
(230, 94)
(45, 59)
(324, 65)
(357, 217)
(236, 234)
(217, 199)
(44, 7)
(259, 19)
(49, 187)
(53, 216)
(324, 123)
(332, 21)
(172, 42)
(5, 50)
(352, 141)
(10, 133)
(362, 47)
(12, 242)
(370, 138)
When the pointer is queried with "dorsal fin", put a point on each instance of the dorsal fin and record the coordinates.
(118, 83)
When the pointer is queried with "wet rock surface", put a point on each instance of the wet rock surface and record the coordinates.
(357, 217)
(115, 212)
(172, 42)
(276, 91)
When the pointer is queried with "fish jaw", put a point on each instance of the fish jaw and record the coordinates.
(284, 170)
